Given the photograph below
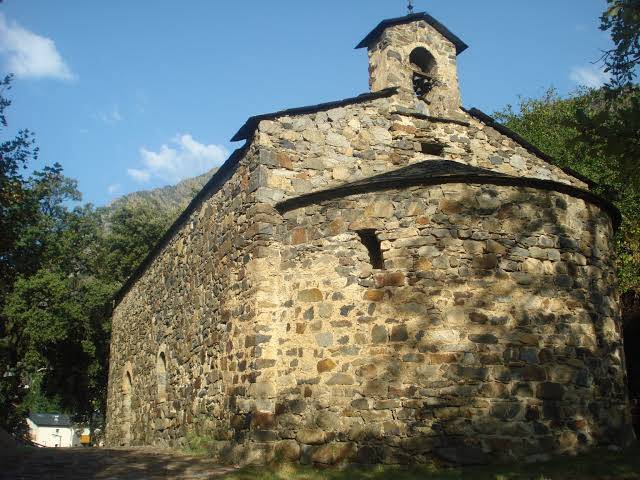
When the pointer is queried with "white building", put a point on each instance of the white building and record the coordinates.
(53, 430)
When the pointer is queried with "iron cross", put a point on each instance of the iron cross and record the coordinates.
(410, 7)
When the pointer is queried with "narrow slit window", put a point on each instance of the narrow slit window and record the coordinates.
(432, 148)
(370, 240)
(126, 396)
(161, 375)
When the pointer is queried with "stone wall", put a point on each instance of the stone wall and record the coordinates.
(493, 329)
(307, 153)
(187, 304)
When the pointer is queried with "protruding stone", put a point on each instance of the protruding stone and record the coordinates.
(334, 453)
(379, 208)
(483, 338)
(324, 339)
(288, 450)
(328, 421)
(485, 262)
(471, 373)
(399, 333)
(340, 379)
(478, 317)
(505, 410)
(395, 279)
(311, 436)
(311, 295)
(379, 334)
(326, 365)
(374, 295)
(376, 388)
(299, 236)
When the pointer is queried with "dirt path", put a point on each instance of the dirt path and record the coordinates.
(105, 464)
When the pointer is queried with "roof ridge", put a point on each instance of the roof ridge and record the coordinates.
(390, 22)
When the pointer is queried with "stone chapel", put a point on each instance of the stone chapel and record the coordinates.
(389, 278)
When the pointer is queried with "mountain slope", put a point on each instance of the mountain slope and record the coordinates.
(172, 198)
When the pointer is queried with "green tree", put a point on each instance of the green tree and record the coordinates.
(59, 268)
(610, 123)
(16, 210)
(554, 125)
(622, 20)
(63, 339)
(131, 232)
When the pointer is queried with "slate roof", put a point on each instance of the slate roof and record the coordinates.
(441, 171)
(373, 35)
(51, 419)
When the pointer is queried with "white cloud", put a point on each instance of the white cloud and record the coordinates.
(114, 189)
(112, 116)
(591, 76)
(139, 175)
(30, 55)
(184, 157)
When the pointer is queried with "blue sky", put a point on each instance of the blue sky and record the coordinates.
(130, 95)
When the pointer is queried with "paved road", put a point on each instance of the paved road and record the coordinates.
(105, 464)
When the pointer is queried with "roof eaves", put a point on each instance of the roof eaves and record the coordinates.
(246, 131)
(51, 419)
(491, 122)
(448, 34)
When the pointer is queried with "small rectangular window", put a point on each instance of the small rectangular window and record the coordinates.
(370, 240)
(432, 148)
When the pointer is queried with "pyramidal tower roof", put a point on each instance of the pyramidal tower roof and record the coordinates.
(376, 32)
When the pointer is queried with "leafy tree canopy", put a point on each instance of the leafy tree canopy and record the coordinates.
(622, 20)
(59, 267)
(556, 126)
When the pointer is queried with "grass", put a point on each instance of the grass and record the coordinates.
(197, 445)
(598, 465)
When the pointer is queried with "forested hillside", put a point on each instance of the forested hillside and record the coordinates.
(172, 198)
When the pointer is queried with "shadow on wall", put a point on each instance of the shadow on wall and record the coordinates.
(498, 340)
(532, 382)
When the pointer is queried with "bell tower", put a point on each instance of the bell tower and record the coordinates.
(417, 54)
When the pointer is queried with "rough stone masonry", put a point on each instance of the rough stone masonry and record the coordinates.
(389, 278)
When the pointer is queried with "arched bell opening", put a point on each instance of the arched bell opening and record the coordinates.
(424, 67)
